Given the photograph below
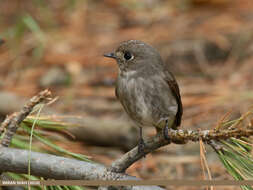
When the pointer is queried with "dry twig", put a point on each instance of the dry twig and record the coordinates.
(12, 122)
(6, 122)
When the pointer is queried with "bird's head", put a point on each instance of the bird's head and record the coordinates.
(133, 55)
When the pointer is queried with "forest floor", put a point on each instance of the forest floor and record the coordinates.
(207, 44)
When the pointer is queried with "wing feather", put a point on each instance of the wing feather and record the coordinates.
(171, 81)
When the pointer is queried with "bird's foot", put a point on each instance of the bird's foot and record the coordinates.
(166, 132)
(141, 146)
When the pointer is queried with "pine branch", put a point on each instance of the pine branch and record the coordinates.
(179, 137)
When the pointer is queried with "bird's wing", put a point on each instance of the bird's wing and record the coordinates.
(171, 81)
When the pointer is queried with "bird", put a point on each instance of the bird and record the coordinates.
(146, 88)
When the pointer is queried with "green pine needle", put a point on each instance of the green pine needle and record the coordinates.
(53, 146)
(22, 142)
(235, 154)
(45, 122)
(237, 159)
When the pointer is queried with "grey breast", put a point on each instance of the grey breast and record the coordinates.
(147, 100)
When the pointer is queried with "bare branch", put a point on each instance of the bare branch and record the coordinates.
(50, 166)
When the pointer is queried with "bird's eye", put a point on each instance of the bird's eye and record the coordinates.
(127, 55)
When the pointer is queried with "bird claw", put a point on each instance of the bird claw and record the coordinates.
(166, 132)
(141, 146)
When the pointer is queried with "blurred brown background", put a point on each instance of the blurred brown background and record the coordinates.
(58, 44)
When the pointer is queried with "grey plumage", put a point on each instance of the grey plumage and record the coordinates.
(146, 89)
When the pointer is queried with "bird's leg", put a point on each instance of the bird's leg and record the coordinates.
(141, 144)
(166, 131)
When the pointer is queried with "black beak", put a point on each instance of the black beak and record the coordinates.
(110, 55)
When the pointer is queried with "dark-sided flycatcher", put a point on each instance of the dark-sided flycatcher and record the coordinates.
(146, 88)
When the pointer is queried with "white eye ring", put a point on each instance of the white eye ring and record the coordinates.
(128, 56)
